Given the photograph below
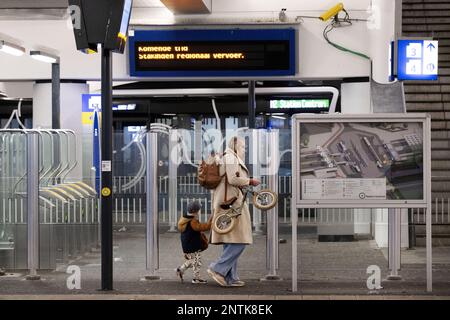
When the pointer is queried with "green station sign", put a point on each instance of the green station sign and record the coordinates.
(300, 104)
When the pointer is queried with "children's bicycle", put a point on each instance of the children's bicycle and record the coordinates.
(225, 220)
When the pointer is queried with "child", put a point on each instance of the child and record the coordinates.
(192, 241)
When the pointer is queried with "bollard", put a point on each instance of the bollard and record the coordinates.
(256, 143)
(272, 243)
(33, 205)
(173, 168)
(394, 243)
(152, 235)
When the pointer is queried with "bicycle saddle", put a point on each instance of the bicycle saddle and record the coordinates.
(227, 204)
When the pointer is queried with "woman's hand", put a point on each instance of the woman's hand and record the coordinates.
(254, 182)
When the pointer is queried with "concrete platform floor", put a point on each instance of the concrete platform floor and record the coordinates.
(328, 270)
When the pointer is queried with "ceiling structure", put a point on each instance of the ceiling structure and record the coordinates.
(188, 6)
(57, 9)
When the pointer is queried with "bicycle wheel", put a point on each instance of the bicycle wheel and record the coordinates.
(223, 223)
(265, 199)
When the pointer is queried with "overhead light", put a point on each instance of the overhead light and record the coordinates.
(44, 57)
(10, 48)
(3, 95)
(279, 117)
(169, 114)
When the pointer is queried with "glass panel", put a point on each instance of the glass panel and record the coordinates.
(129, 203)
(130, 196)
(13, 201)
(68, 206)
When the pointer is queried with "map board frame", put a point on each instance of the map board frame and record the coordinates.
(424, 119)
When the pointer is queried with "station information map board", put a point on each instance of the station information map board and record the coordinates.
(380, 160)
(213, 53)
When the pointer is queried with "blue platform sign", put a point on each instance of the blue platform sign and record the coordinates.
(213, 53)
(417, 60)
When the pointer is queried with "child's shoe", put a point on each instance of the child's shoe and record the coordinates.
(179, 274)
(199, 281)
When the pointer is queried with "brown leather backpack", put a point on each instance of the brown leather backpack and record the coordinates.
(209, 173)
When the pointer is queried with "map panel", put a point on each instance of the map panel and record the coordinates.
(368, 153)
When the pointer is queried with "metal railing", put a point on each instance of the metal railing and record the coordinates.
(129, 206)
(440, 216)
(81, 211)
(186, 185)
(130, 209)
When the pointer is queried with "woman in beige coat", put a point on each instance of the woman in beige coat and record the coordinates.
(236, 176)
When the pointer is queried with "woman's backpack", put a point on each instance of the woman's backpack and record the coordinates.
(209, 173)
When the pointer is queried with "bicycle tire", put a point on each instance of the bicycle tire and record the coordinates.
(223, 223)
(269, 205)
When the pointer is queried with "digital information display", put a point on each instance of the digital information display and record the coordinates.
(417, 60)
(310, 104)
(190, 53)
(370, 161)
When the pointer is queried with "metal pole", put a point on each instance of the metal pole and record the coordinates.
(152, 245)
(394, 242)
(398, 18)
(429, 243)
(198, 134)
(251, 104)
(294, 213)
(56, 96)
(255, 161)
(173, 168)
(33, 205)
(106, 176)
(429, 248)
(272, 244)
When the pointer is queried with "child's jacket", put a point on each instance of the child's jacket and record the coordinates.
(191, 230)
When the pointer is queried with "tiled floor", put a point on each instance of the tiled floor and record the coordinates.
(331, 270)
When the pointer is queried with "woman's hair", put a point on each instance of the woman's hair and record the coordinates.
(234, 142)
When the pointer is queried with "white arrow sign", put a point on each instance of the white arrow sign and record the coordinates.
(430, 57)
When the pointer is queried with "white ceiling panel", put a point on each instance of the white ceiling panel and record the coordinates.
(147, 4)
(52, 4)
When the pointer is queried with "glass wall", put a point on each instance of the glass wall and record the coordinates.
(67, 208)
(179, 153)
(13, 200)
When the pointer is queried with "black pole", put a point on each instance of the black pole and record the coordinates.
(251, 104)
(56, 96)
(106, 177)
